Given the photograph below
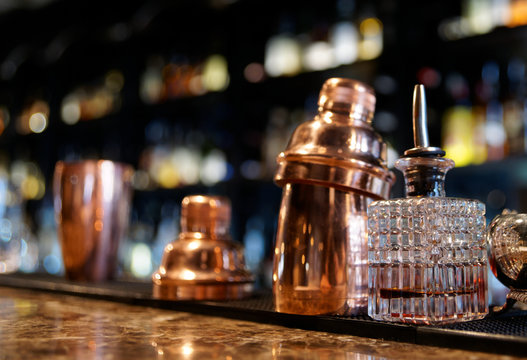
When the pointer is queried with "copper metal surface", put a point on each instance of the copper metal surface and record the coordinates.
(339, 148)
(333, 167)
(204, 263)
(91, 200)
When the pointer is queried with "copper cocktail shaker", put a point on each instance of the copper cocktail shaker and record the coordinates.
(91, 200)
(333, 167)
(204, 263)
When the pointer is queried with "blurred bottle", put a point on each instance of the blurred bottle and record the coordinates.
(482, 16)
(482, 94)
(279, 128)
(479, 15)
(11, 224)
(459, 135)
(479, 137)
(497, 147)
(518, 13)
(513, 107)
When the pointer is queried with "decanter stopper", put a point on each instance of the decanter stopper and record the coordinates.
(420, 127)
(423, 166)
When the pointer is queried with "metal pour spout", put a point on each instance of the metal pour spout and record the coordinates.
(420, 117)
(420, 127)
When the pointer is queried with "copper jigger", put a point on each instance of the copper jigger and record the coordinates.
(204, 263)
(91, 200)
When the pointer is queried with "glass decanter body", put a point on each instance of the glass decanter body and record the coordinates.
(427, 254)
(333, 167)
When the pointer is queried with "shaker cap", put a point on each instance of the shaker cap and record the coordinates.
(206, 214)
(339, 147)
(347, 96)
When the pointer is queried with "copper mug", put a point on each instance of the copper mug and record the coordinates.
(91, 201)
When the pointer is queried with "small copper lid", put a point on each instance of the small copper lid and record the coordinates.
(339, 147)
(209, 215)
(204, 263)
(348, 97)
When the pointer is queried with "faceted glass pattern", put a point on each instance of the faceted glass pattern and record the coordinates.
(427, 260)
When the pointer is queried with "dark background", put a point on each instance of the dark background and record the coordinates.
(98, 36)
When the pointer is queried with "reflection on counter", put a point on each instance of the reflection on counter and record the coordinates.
(40, 325)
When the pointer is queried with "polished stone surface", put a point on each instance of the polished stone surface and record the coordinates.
(40, 325)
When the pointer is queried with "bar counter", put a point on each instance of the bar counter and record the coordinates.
(42, 325)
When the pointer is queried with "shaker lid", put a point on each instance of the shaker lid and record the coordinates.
(339, 147)
(347, 96)
(206, 214)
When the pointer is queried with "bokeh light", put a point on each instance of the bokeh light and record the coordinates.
(213, 168)
(254, 72)
(28, 179)
(4, 118)
(38, 122)
(215, 73)
(429, 77)
(141, 264)
(283, 56)
(345, 39)
(33, 118)
(71, 110)
(93, 102)
(318, 56)
(371, 44)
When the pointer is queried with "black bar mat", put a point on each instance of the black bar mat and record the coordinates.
(503, 334)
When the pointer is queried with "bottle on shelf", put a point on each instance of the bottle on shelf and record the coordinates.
(497, 146)
(518, 13)
(513, 107)
(460, 137)
(427, 252)
(333, 167)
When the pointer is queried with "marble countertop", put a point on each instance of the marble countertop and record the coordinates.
(41, 325)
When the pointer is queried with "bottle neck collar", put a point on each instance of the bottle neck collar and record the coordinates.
(424, 176)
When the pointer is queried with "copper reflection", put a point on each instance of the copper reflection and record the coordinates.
(204, 263)
(91, 201)
(333, 167)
